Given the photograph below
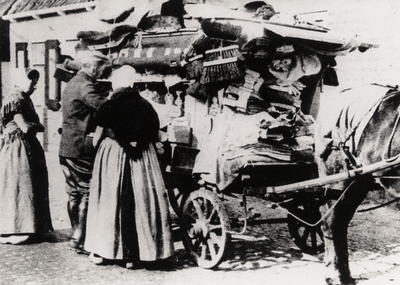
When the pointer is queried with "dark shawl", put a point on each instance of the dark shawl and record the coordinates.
(131, 118)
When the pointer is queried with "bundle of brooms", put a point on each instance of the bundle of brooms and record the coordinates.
(221, 64)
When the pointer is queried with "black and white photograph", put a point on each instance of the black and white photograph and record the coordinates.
(221, 142)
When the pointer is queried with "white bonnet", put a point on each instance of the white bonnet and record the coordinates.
(125, 76)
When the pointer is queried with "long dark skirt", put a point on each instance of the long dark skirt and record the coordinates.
(128, 215)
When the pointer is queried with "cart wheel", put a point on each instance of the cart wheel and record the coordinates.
(308, 238)
(175, 199)
(205, 226)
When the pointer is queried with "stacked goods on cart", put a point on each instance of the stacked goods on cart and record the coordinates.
(246, 83)
(248, 63)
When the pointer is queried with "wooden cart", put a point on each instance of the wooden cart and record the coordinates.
(206, 225)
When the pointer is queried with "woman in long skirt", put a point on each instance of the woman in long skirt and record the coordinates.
(24, 188)
(128, 215)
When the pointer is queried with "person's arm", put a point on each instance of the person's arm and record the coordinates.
(27, 127)
(93, 97)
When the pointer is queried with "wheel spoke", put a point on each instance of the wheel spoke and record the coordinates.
(203, 251)
(306, 233)
(313, 238)
(214, 211)
(320, 233)
(193, 215)
(215, 227)
(178, 196)
(196, 244)
(212, 248)
(217, 239)
(198, 209)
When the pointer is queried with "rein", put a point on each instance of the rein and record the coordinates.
(379, 206)
(324, 216)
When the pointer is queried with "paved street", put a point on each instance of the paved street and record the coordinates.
(266, 256)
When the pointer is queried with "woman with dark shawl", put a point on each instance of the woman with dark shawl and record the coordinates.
(128, 216)
(24, 187)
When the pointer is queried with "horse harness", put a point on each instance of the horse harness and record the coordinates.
(351, 160)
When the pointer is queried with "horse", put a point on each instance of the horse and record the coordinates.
(355, 139)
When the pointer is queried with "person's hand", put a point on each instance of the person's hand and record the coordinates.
(159, 148)
(294, 88)
(29, 129)
(298, 85)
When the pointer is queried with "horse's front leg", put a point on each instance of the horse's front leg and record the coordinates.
(336, 252)
(334, 228)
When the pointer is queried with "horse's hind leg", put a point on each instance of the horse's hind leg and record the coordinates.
(334, 228)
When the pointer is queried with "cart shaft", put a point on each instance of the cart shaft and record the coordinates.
(335, 178)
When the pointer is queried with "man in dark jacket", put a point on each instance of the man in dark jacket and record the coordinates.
(80, 99)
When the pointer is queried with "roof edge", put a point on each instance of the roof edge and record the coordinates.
(61, 10)
(8, 8)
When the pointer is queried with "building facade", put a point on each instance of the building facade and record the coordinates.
(41, 34)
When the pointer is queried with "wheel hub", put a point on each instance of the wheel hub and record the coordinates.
(199, 229)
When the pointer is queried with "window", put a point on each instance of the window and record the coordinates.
(21, 56)
(37, 54)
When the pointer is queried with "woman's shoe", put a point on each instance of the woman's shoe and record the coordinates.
(96, 259)
(129, 265)
(14, 239)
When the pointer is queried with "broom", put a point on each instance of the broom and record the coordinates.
(221, 64)
(194, 67)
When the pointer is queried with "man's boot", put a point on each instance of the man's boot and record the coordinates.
(73, 213)
(80, 232)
